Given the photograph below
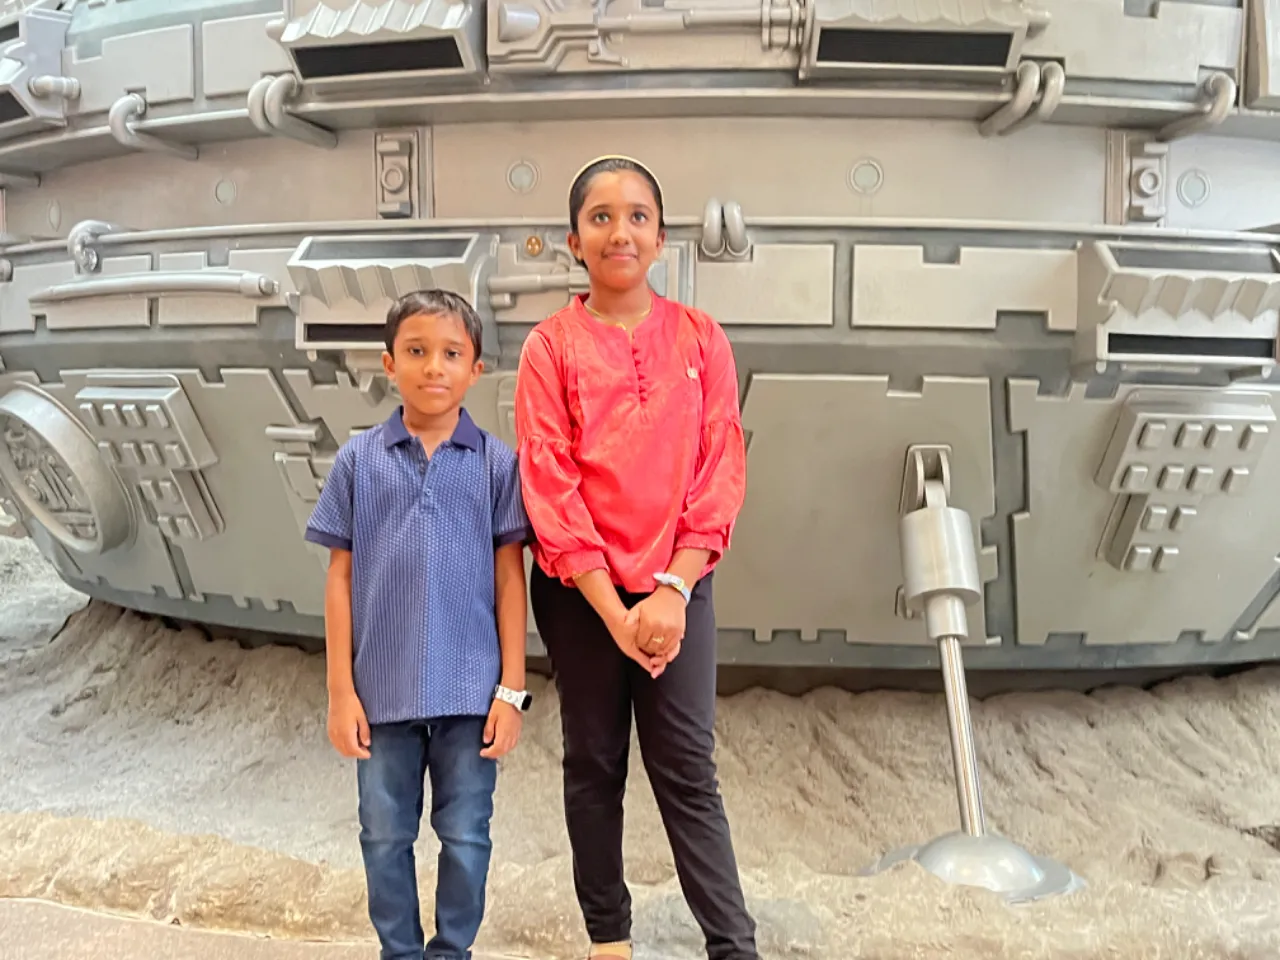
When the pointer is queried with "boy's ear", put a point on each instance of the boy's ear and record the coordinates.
(388, 364)
(477, 369)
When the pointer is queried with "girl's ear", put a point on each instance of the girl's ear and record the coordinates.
(662, 241)
(575, 245)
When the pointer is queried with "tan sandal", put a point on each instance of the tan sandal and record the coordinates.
(620, 950)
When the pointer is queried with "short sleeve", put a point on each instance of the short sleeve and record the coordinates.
(331, 521)
(510, 522)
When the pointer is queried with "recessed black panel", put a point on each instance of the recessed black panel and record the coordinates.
(425, 55)
(907, 48)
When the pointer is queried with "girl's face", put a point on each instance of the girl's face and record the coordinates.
(618, 237)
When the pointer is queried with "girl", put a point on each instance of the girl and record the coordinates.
(633, 466)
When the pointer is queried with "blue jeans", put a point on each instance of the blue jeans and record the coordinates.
(390, 783)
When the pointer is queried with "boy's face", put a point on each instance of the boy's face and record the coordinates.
(618, 236)
(434, 363)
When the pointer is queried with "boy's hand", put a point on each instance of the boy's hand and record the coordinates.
(348, 726)
(502, 729)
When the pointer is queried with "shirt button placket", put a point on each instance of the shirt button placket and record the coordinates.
(425, 502)
(635, 367)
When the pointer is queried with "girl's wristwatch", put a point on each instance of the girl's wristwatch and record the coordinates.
(675, 582)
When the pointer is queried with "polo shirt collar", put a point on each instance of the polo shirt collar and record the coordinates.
(465, 434)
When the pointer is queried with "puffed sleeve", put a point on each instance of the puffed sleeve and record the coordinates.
(720, 481)
(331, 521)
(566, 533)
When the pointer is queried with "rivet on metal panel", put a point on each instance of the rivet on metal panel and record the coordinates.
(533, 245)
(1193, 188)
(522, 176)
(866, 176)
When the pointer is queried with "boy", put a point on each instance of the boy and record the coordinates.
(425, 624)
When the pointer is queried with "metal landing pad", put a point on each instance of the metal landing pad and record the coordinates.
(989, 861)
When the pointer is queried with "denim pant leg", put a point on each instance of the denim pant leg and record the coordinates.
(462, 785)
(391, 795)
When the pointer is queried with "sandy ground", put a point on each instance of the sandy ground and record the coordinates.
(158, 774)
(39, 930)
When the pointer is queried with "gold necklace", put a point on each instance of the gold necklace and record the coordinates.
(618, 323)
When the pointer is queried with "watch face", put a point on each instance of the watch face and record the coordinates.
(528, 701)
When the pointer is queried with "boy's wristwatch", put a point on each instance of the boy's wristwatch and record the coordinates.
(675, 582)
(521, 699)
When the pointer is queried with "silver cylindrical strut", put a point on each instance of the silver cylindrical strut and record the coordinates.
(940, 579)
(963, 752)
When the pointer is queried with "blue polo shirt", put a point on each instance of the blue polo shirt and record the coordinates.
(422, 536)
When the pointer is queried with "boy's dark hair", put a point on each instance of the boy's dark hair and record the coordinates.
(433, 302)
(582, 183)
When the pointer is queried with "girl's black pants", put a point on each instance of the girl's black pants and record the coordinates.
(599, 687)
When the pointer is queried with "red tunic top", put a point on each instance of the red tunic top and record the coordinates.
(629, 448)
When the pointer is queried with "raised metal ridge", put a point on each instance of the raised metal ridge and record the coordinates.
(375, 21)
(1177, 292)
(966, 14)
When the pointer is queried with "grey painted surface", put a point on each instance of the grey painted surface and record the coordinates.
(1003, 258)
